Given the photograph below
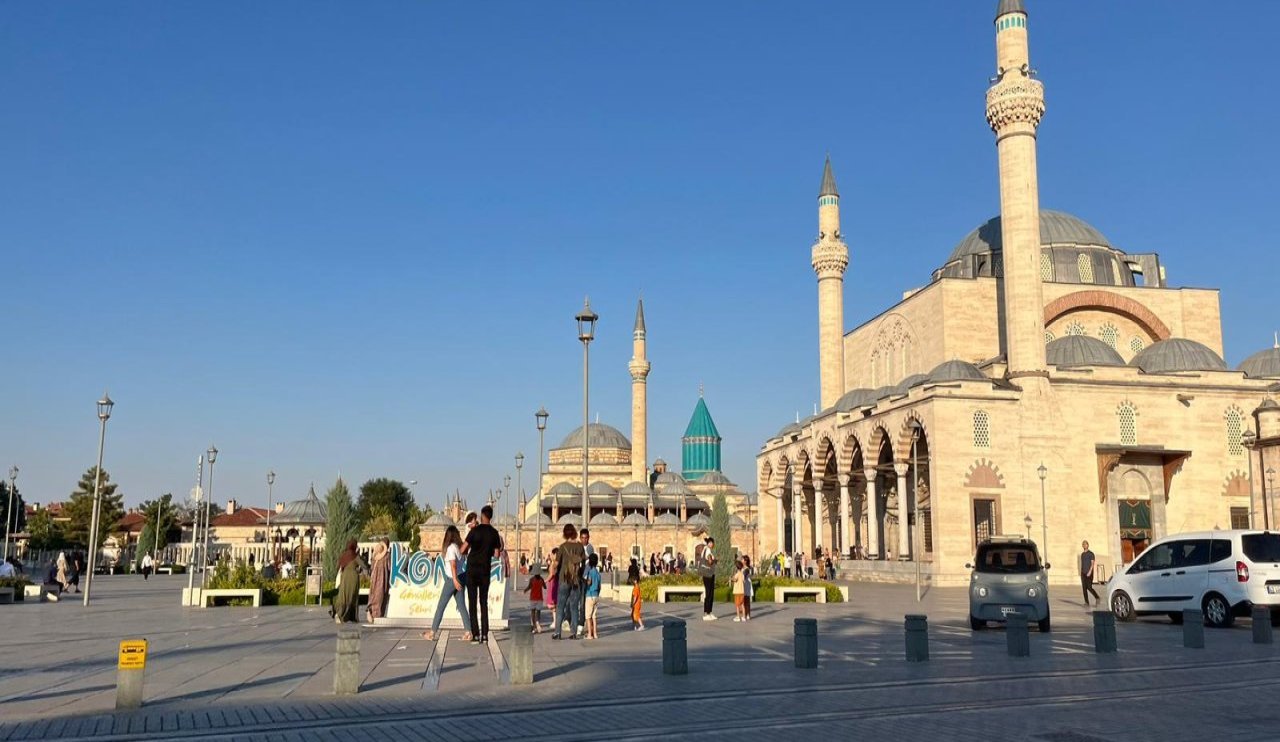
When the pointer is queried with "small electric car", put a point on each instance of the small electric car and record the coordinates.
(1007, 576)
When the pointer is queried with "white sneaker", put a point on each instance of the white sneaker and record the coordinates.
(708, 617)
(737, 619)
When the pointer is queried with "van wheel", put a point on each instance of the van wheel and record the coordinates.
(1044, 624)
(977, 624)
(1176, 618)
(1217, 613)
(1122, 606)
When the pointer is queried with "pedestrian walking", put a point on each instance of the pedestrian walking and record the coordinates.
(1087, 565)
(633, 577)
(786, 565)
(572, 558)
(63, 568)
(346, 605)
(706, 560)
(748, 589)
(536, 589)
(739, 593)
(146, 566)
(379, 580)
(482, 545)
(584, 538)
(453, 588)
(553, 588)
(591, 583)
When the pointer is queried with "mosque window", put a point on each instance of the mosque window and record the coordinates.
(1110, 335)
(1046, 266)
(1127, 414)
(1048, 337)
(1136, 344)
(1235, 428)
(1075, 328)
(1086, 268)
(997, 266)
(981, 429)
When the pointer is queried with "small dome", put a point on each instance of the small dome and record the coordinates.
(788, 429)
(956, 371)
(573, 518)
(1267, 405)
(505, 520)
(854, 399)
(440, 519)
(911, 381)
(658, 462)
(1265, 364)
(693, 503)
(533, 519)
(635, 519)
(1070, 351)
(603, 519)
(667, 519)
(636, 489)
(601, 488)
(699, 519)
(599, 435)
(666, 479)
(562, 489)
(736, 522)
(1177, 354)
(678, 489)
(714, 477)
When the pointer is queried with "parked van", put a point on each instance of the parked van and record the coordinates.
(1221, 573)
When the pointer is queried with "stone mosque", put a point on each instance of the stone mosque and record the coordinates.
(1045, 382)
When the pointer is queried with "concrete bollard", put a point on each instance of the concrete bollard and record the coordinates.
(346, 665)
(1016, 637)
(130, 670)
(1261, 624)
(806, 643)
(1192, 629)
(521, 665)
(1104, 632)
(917, 627)
(675, 650)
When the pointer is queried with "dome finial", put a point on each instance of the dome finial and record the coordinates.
(828, 181)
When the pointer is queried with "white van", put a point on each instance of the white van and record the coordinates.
(1221, 573)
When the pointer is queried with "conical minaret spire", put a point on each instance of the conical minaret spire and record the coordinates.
(639, 368)
(830, 258)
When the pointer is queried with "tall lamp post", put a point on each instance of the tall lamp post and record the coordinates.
(1271, 485)
(195, 528)
(506, 510)
(212, 453)
(104, 412)
(271, 480)
(586, 333)
(1043, 471)
(541, 417)
(1248, 439)
(8, 513)
(916, 428)
(1026, 521)
(519, 495)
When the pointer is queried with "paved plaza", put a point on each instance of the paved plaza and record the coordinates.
(266, 673)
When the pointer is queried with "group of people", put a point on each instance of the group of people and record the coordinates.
(804, 567)
(468, 564)
(65, 571)
(667, 563)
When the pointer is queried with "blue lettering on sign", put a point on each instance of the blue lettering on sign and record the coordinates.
(420, 568)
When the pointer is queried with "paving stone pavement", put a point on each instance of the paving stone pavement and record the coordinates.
(245, 673)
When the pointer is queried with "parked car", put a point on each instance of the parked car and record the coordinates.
(1221, 573)
(1007, 576)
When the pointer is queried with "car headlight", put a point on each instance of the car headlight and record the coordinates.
(982, 592)
(1032, 592)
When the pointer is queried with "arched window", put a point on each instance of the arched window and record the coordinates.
(1127, 414)
(1048, 337)
(1235, 428)
(981, 429)
(1046, 265)
(1110, 335)
(1136, 344)
(1075, 328)
(1086, 268)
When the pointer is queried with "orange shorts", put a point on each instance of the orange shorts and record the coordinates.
(739, 599)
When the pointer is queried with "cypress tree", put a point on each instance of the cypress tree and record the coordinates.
(719, 529)
(341, 525)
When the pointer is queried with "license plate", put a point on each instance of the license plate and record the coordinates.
(1273, 589)
(1006, 610)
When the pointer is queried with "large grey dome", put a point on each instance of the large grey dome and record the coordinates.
(1081, 350)
(1265, 364)
(956, 371)
(1056, 228)
(902, 387)
(1178, 354)
(599, 435)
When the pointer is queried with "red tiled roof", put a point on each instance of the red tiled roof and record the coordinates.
(241, 517)
(131, 522)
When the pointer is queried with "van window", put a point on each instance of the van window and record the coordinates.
(1159, 556)
(1261, 547)
(1221, 549)
(1191, 553)
(1007, 558)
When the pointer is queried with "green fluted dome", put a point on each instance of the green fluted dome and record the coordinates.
(700, 446)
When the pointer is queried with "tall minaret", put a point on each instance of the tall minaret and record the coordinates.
(639, 368)
(830, 259)
(1015, 104)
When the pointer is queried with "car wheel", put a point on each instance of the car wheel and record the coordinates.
(977, 624)
(1122, 606)
(1217, 613)
(1176, 618)
(1044, 624)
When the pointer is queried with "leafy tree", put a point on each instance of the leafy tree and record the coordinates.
(391, 496)
(161, 519)
(719, 530)
(45, 532)
(382, 523)
(341, 525)
(17, 520)
(80, 508)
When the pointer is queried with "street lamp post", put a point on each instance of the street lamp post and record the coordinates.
(104, 412)
(155, 535)
(1026, 521)
(506, 510)
(541, 418)
(1043, 471)
(271, 480)
(916, 427)
(520, 496)
(586, 333)
(1247, 439)
(212, 453)
(1271, 485)
(195, 528)
(8, 513)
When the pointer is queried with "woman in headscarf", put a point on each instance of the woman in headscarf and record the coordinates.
(62, 571)
(380, 580)
(346, 607)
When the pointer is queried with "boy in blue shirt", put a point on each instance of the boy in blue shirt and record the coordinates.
(591, 579)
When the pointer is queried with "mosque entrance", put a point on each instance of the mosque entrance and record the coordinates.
(1135, 527)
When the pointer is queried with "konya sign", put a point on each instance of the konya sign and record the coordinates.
(417, 579)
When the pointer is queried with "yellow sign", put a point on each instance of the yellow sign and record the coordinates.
(133, 654)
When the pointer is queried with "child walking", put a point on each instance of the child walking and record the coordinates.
(748, 590)
(553, 587)
(536, 588)
(592, 581)
(633, 577)
(738, 592)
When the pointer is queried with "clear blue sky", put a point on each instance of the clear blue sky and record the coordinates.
(352, 237)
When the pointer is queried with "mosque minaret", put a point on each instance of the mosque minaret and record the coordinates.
(639, 368)
(830, 258)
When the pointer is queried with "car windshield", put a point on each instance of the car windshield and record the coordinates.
(1007, 558)
(1261, 547)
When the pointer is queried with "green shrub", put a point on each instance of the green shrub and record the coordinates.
(765, 585)
(18, 584)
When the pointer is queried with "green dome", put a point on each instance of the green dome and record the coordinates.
(700, 446)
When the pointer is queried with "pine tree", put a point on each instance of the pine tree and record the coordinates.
(80, 509)
(341, 525)
(719, 529)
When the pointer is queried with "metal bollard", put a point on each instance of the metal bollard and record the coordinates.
(346, 665)
(917, 627)
(1104, 632)
(521, 665)
(1192, 629)
(1261, 624)
(675, 650)
(1016, 636)
(806, 643)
